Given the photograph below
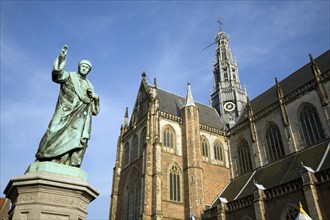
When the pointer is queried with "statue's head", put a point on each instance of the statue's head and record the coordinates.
(84, 67)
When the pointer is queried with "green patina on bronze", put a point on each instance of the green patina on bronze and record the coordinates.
(66, 138)
(57, 168)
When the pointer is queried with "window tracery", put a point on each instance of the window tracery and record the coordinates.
(168, 137)
(205, 148)
(310, 125)
(244, 157)
(174, 184)
(218, 151)
(132, 198)
(274, 144)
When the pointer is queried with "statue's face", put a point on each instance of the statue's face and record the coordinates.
(84, 69)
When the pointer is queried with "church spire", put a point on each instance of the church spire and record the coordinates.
(189, 98)
(228, 97)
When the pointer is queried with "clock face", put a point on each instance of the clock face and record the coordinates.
(229, 106)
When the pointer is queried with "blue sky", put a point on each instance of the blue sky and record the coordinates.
(124, 38)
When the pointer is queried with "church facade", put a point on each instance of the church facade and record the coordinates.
(235, 159)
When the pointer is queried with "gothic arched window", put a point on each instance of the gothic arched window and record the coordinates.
(244, 157)
(310, 124)
(223, 55)
(168, 137)
(205, 147)
(135, 148)
(126, 154)
(274, 143)
(132, 199)
(218, 151)
(174, 183)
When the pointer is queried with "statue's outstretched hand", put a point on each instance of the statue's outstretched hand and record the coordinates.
(64, 51)
(62, 55)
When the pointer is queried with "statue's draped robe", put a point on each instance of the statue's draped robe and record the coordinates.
(69, 130)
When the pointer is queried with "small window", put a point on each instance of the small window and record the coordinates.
(205, 148)
(175, 184)
(168, 137)
(218, 151)
(225, 76)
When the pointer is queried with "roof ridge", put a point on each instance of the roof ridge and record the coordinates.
(323, 158)
(247, 182)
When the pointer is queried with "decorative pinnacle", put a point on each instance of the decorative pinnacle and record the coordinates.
(277, 83)
(312, 59)
(189, 98)
(143, 74)
(126, 112)
(126, 118)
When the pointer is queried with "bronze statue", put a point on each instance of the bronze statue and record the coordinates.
(65, 140)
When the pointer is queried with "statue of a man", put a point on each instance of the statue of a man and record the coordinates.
(65, 140)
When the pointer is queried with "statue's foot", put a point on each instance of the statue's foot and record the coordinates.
(64, 159)
(75, 159)
(55, 160)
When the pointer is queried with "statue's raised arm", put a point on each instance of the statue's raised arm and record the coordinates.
(58, 73)
(66, 138)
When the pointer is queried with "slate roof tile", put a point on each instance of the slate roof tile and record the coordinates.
(172, 104)
(279, 172)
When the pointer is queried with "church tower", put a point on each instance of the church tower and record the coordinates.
(228, 97)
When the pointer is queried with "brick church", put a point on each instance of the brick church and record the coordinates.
(235, 159)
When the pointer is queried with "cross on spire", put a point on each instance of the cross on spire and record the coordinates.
(220, 23)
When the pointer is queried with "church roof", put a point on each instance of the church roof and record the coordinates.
(288, 85)
(172, 104)
(279, 172)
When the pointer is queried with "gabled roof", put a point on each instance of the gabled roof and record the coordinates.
(288, 85)
(172, 104)
(279, 172)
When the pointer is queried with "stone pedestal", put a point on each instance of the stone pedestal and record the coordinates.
(50, 191)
